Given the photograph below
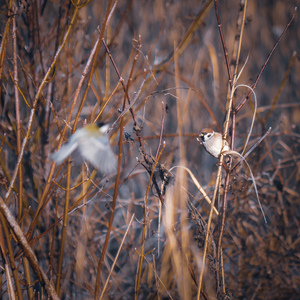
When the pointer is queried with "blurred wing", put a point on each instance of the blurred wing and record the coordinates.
(64, 151)
(98, 152)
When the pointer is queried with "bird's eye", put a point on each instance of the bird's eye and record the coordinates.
(100, 124)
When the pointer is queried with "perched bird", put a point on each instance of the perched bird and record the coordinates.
(91, 144)
(212, 142)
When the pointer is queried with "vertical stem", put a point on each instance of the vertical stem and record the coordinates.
(17, 108)
(185, 287)
(179, 117)
(10, 252)
(97, 287)
(64, 229)
(18, 133)
(231, 105)
(140, 266)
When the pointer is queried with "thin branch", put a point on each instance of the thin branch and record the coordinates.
(223, 43)
(162, 127)
(266, 62)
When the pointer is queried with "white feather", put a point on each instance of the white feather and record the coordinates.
(64, 152)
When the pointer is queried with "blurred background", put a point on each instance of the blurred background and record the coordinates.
(261, 261)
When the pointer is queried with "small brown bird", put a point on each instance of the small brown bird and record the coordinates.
(212, 142)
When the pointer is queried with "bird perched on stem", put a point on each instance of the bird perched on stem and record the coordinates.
(213, 142)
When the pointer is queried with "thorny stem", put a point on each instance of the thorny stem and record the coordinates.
(137, 288)
(136, 127)
(231, 106)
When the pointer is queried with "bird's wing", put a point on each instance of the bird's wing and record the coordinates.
(98, 152)
(64, 152)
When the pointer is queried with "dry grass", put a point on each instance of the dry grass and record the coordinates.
(145, 232)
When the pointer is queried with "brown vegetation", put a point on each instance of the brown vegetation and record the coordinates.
(148, 231)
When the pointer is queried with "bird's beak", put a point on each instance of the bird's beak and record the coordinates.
(202, 137)
(104, 128)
